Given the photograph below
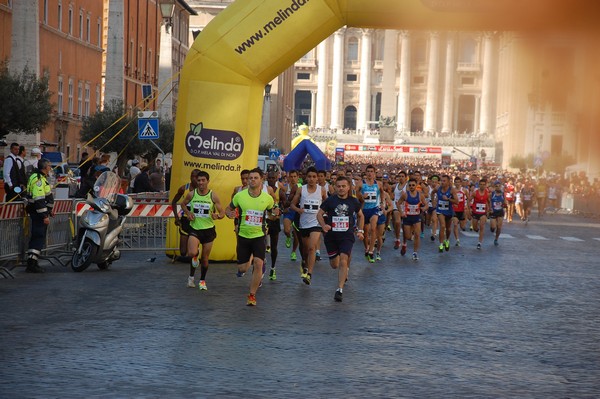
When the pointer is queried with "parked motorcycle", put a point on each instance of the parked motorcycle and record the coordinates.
(99, 227)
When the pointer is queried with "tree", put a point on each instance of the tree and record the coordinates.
(521, 163)
(25, 105)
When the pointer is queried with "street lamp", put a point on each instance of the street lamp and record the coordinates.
(167, 8)
(268, 91)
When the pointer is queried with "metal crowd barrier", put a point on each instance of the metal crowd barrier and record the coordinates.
(13, 237)
(146, 227)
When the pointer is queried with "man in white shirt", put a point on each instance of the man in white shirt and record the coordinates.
(14, 173)
(32, 162)
(133, 172)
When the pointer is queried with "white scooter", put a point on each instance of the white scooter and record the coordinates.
(99, 227)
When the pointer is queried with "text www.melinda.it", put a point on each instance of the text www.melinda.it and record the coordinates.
(270, 26)
(213, 166)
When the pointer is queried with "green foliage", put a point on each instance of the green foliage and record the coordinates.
(520, 162)
(120, 132)
(558, 163)
(25, 105)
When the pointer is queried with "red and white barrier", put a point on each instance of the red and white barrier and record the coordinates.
(139, 210)
(14, 210)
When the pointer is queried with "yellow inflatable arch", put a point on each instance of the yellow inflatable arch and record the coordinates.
(252, 41)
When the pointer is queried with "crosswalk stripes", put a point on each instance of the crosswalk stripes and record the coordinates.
(572, 239)
(533, 237)
(597, 239)
(505, 235)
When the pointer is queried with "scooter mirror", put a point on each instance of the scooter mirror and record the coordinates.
(17, 190)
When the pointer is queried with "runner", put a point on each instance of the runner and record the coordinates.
(498, 204)
(480, 208)
(399, 187)
(509, 192)
(251, 205)
(527, 195)
(368, 192)
(381, 220)
(412, 203)
(205, 208)
(444, 198)
(431, 219)
(460, 209)
(343, 213)
(291, 236)
(306, 203)
(274, 223)
(181, 220)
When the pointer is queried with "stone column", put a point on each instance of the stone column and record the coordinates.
(388, 94)
(364, 98)
(165, 72)
(486, 84)
(432, 83)
(25, 51)
(477, 115)
(404, 93)
(114, 86)
(323, 65)
(337, 80)
(449, 84)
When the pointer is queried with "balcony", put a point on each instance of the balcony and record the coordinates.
(378, 64)
(306, 63)
(468, 67)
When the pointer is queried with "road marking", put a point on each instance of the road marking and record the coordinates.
(503, 235)
(572, 239)
(597, 239)
(470, 234)
(536, 237)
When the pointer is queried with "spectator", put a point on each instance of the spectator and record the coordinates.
(14, 173)
(142, 181)
(32, 162)
(157, 180)
(134, 171)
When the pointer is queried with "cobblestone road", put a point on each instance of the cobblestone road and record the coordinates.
(518, 320)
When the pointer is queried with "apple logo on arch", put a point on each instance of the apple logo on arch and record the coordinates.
(212, 143)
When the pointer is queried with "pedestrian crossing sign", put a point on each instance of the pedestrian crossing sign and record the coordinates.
(148, 128)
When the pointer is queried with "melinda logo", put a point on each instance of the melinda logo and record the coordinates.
(213, 144)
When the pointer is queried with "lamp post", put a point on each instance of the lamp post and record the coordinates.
(167, 8)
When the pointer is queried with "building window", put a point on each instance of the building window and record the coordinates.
(46, 11)
(81, 25)
(59, 16)
(351, 77)
(352, 53)
(60, 96)
(70, 20)
(70, 108)
(99, 28)
(419, 80)
(467, 51)
(97, 97)
(80, 99)
(87, 29)
(149, 65)
(86, 110)
(467, 80)
(130, 62)
(303, 76)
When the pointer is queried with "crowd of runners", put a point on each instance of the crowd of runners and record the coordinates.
(314, 207)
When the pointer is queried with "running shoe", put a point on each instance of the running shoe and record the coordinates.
(251, 301)
(202, 286)
(457, 243)
(447, 245)
(318, 255)
(191, 283)
(240, 273)
(272, 275)
(433, 237)
(268, 249)
(338, 296)
(293, 256)
(496, 242)
(370, 258)
(377, 256)
(478, 245)
(195, 262)
(288, 242)
(306, 279)
(389, 228)
(415, 256)
(441, 247)
(422, 235)
(396, 244)
(303, 272)
(403, 250)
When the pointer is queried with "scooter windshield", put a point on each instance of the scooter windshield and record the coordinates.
(107, 186)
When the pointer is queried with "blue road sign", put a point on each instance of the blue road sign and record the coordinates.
(148, 129)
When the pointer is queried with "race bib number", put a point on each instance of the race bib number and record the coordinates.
(370, 197)
(340, 223)
(311, 206)
(497, 205)
(254, 218)
(413, 209)
(480, 207)
(443, 205)
(201, 210)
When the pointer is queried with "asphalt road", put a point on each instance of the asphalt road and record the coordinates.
(518, 320)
